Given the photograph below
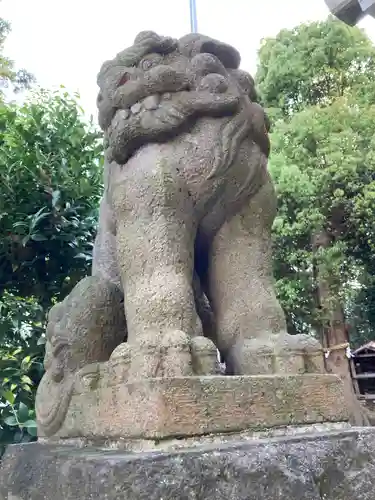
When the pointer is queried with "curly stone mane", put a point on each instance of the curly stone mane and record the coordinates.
(178, 82)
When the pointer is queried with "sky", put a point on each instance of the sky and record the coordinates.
(66, 42)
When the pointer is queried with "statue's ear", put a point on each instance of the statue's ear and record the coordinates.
(194, 43)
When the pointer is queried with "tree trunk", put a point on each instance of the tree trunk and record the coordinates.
(335, 333)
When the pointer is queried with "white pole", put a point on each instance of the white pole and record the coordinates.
(193, 17)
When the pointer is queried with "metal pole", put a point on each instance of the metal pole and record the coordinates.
(193, 17)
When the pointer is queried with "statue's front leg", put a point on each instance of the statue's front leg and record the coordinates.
(155, 247)
(251, 327)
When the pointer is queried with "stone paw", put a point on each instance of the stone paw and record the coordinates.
(205, 356)
(117, 371)
(157, 354)
(168, 355)
(249, 357)
(276, 354)
(176, 358)
(302, 343)
(298, 354)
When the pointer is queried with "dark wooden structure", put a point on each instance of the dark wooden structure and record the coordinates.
(351, 11)
(364, 371)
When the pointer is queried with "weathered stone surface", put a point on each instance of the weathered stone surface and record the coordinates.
(331, 466)
(192, 406)
(187, 187)
(182, 258)
(84, 328)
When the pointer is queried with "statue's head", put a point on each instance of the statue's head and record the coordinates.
(160, 86)
(84, 328)
(78, 334)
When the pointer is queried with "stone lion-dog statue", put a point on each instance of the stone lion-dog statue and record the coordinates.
(182, 257)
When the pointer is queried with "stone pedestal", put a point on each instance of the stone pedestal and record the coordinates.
(210, 437)
(164, 408)
(329, 465)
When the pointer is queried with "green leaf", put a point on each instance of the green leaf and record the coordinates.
(317, 81)
(42, 340)
(38, 237)
(22, 413)
(25, 240)
(32, 428)
(9, 396)
(48, 217)
(11, 421)
(25, 362)
(30, 423)
(56, 195)
(26, 380)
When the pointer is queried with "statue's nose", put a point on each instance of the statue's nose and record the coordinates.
(161, 72)
(204, 64)
(129, 74)
(164, 78)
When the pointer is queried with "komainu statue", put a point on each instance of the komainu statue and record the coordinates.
(181, 264)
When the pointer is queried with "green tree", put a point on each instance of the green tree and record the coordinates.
(324, 169)
(50, 186)
(50, 170)
(313, 64)
(317, 82)
(9, 76)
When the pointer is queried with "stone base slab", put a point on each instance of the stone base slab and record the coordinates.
(193, 406)
(336, 465)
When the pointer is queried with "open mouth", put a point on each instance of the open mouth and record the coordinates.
(149, 103)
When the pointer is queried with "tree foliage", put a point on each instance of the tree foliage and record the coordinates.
(314, 64)
(324, 169)
(50, 185)
(50, 171)
(10, 77)
(51, 182)
(317, 80)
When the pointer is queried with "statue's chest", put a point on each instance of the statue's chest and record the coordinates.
(195, 150)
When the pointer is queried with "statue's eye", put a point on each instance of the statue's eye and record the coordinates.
(150, 62)
(146, 64)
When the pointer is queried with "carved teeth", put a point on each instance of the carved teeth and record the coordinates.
(151, 102)
(136, 108)
(120, 116)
